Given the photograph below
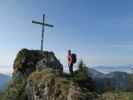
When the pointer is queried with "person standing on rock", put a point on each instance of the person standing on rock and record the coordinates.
(71, 60)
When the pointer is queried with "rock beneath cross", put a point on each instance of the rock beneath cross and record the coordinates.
(28, 61)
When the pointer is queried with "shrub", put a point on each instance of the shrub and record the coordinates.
(81, 76)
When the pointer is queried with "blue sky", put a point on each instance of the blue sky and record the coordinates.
(99, 31)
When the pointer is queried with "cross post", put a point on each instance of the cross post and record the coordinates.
(43, 29)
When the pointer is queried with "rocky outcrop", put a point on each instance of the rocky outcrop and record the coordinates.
(27, 61)
(39, 76)
(47, 85)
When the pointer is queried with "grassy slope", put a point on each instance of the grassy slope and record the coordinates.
(117, 96)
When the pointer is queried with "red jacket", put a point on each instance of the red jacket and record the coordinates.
(69, 59)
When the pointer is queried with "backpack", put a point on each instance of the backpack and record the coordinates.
(74, 58)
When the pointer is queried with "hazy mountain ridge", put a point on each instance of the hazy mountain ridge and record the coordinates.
(117, 79)
(107, 69)
(3, 80)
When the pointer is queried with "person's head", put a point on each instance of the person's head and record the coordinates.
(69, 51)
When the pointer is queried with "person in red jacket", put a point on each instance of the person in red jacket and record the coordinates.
(70, 63)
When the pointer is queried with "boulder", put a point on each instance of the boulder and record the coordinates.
(27, 61)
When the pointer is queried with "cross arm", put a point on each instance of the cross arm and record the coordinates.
(40, 23)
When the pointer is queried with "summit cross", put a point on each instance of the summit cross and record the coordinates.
(43, 29)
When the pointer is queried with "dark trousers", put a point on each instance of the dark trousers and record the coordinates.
(70, 68)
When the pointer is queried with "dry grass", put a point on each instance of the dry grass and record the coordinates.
(117, 96)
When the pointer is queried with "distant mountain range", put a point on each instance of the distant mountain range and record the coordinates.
(114, 80)
(108, 69)
(3, 80)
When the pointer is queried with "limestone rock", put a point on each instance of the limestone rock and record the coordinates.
(39, 76)
(46, 85)
(28, 61)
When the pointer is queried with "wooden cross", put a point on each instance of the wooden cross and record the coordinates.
(43, 29)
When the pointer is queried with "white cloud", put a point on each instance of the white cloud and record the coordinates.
(6, 70)
(123, 45)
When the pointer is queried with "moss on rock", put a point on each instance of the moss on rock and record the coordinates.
(46, 84)
(27, 61)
